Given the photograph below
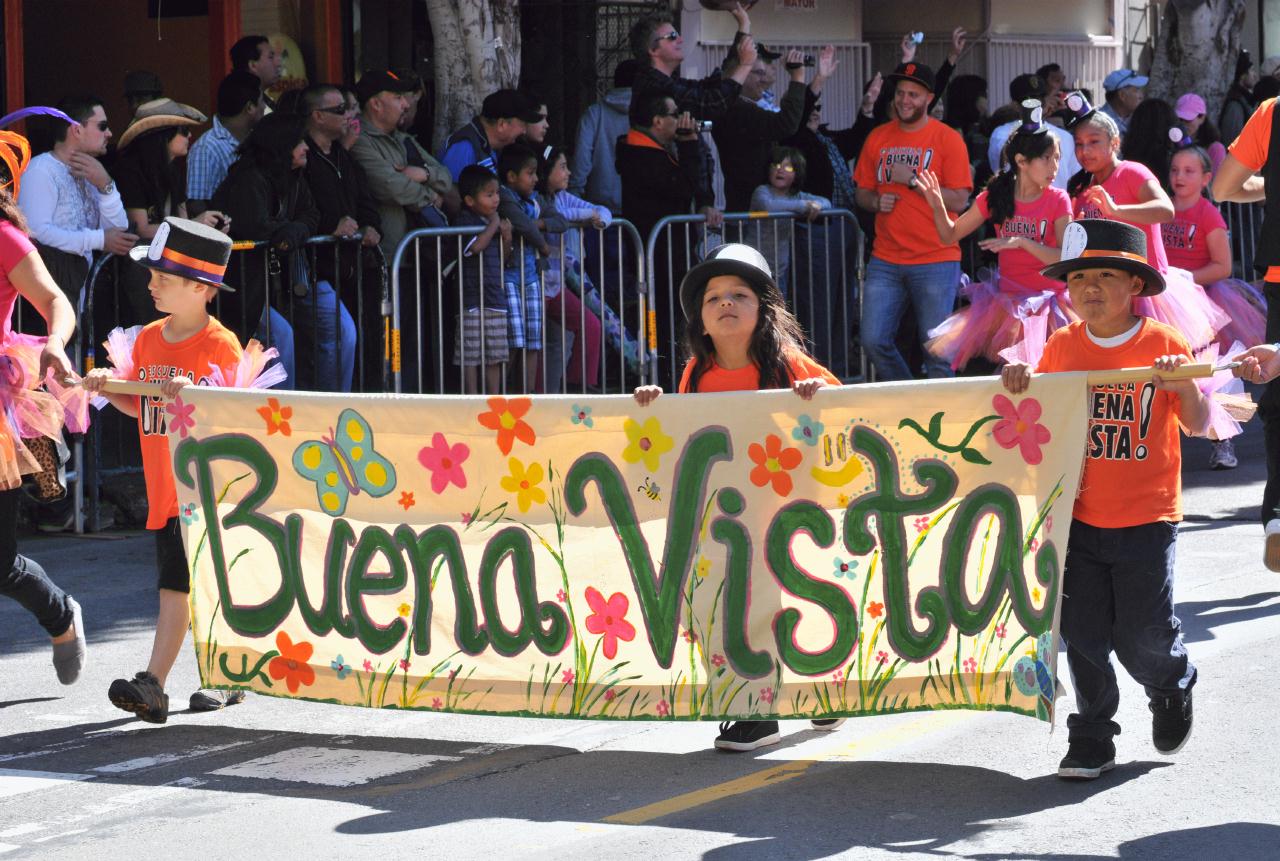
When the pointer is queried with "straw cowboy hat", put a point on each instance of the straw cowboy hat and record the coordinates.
(159, 114)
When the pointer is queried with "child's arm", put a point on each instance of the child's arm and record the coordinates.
(522, 225)
(1015, 377)
(93, 383)
(1193, 406)
(1043, 253)
(948, 231)
(646, 395)
(1153, 206)
(1219, 265)
(1258, 364)
(806, 389)
(481, 242)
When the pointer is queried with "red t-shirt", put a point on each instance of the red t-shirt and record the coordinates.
(1123, 185)
(155, 360)
(747, 379)
(1186, 238)
(1020, 270)
(907, 235)
(1251, 148)
(14, 247)
(1133, 457)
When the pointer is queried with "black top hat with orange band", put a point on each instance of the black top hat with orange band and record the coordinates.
(1099, 243)
(187, 249)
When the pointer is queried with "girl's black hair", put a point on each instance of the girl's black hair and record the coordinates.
(777, 335)
(164, 178)
(797, 161)
(1082, 179)
(960, 109)
(1207, 135)
(1147, 140)
(1002, 186)
(545, 165)
(270, 145)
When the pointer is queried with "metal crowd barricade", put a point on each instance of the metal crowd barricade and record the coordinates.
(116, 452)
(606, 277)
(818, 277)
(1244, 226)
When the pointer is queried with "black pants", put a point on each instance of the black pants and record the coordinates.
(24, 580)
(1269, 412)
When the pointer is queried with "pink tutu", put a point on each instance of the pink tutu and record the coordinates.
(999, 325)
(28, 412)
(1246, 309)
(1219, 389)
(1186, 307)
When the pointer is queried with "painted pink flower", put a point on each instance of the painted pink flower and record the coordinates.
(690, 636)
(437, 704)
(882, 657)
(1035, 544)
(717, 660)
(1048, 523)
(766, 695)
(838, 677)
(663, 708)
(970, 665)
(444, 462)
(180, 413)
(453, 674)
(1000, 630)
(567, 677)
(608, 617)
(466, 518)
(561, 596)
(368, 665)
(610, 694)
(921, 524)
(1019, 426)
(404, 663)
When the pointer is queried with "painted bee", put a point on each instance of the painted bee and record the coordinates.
(650, 489)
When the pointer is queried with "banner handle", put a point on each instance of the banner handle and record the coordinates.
(1119, 376)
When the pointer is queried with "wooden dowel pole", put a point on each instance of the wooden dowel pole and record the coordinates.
(1120, 376)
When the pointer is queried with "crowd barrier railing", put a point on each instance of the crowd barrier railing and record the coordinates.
(1244, 227)
(110, 447)
(586, 343)
(816, 264)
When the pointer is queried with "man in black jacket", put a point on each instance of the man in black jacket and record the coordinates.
(346, 207)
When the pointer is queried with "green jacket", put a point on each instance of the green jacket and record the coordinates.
(379, 154)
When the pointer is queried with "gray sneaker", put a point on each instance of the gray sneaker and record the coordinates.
(1223, 455)
(69, 657)
(208, 700)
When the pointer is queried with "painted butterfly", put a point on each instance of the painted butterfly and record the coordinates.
(344, 463)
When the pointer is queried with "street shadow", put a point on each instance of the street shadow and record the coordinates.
(1199, 618)
(1239, 841)
(9, 703)
(836, 806)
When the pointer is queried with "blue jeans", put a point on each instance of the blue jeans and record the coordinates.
(24, 580)
(931, 289)
(281, 337)
(1117, 595)
(325, 340)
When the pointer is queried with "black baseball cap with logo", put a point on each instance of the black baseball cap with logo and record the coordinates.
(1026, 87)
(916, 73)
(381, 81)
(510, 105)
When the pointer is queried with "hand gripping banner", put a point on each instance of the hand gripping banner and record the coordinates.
(880, 548)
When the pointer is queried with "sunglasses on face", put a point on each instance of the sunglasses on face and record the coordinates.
(184, 131)
(669, 37)
(101, 125)
(336, 110)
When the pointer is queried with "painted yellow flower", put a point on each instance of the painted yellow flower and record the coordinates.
(646, 443)
(1035, 595)
(523, 482)
(843, 500)
(404, 609)
(702, 568)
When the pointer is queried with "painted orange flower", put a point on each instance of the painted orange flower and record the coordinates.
(292, 663)
(406, 499)
(277, 417)
(875, 609)
(773, 464)
(506, 416)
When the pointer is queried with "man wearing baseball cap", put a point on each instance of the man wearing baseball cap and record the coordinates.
(1034, 86)
(502, 120)
(1123, 89)
(909, 263)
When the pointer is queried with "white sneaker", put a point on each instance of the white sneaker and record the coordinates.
(1271, 556)
(1223, 455)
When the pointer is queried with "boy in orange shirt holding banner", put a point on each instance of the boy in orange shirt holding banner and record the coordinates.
(1118, 575)
(187, 261)
(909, 263)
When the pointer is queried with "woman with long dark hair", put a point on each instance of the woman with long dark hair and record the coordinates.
(269, 201)
(1148, 140)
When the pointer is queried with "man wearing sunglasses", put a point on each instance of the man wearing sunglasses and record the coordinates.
(69, 200)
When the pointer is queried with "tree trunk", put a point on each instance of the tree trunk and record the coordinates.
(477, 51)
(1196, 52)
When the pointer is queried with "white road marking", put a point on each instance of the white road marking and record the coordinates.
(49, 837)
(329, 766)
(8, 847)
(24, 828)
(14, 781)
(142, 762)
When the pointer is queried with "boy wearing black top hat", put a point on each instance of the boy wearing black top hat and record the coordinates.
(187, 262)
(1118, 577)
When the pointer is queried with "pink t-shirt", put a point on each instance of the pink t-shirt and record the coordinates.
(1020, 270)
(1123, 186)
(1186, 238)
(14, 246)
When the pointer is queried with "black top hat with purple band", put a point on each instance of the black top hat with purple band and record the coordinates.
(1077, 105)
(1032, 118)
(187, 249)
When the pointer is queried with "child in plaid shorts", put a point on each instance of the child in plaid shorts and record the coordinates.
(482, 323)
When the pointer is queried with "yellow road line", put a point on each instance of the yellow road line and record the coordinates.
(858, 748)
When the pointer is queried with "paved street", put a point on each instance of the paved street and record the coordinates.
(80, 779)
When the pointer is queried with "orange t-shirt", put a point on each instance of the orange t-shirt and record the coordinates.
(154, 360)
(1133, 460)
(747, 379)
(1251, 148)
(907, 235)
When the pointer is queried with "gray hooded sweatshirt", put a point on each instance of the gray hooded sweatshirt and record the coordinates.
(594, 176)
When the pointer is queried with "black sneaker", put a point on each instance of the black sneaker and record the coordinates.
(826, 724)
(746, 735)
(1170, 723)
(211, 700)
(141, 695)
(1087, 758)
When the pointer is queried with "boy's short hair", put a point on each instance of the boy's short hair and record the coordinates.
(473, 180)
(645, 107)
(514, 159)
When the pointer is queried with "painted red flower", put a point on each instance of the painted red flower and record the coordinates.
(766, 695)
(436, 703)
(567, 677)
(1000, 630)
(970, 665)
(663, 708)
(609, 618)
(874, 609)
(561, 596)
(1019, 426)
(444, 462)
(292, 663)
(717, 660)
(882, 657)
(406, 499)
(690, 637)
(506, 416)
(404, 663)
(773, 464)
(610, 694)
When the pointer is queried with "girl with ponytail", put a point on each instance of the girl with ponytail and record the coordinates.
(1010, 314)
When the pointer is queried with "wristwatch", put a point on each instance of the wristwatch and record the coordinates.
(108, 188)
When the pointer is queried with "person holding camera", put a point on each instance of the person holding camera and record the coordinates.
(747, 132)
